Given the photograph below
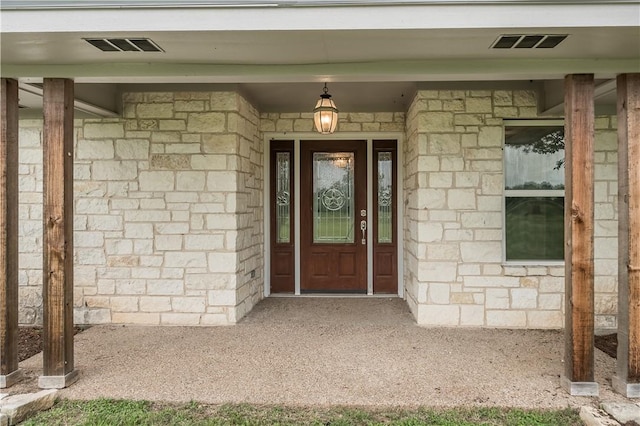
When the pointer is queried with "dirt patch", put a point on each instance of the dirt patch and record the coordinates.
(30, 341)
(608, 344)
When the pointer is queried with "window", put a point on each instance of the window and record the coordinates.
(283, 197)
(385, 197)
(534, 191)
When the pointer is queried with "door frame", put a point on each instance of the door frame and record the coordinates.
(297, 137)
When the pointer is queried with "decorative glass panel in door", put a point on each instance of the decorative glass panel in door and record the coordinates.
(385, 196)
(283, 197)
(333, 203)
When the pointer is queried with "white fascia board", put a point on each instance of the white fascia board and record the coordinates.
(403, 16)
(104, 4)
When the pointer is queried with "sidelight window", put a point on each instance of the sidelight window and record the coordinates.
(385, 197)
(283, 197)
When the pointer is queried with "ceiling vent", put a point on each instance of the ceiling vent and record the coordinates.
(535, 41)
(124, 44)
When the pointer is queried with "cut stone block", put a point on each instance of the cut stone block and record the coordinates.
(19, 407)
(594, 417)
(623, 412)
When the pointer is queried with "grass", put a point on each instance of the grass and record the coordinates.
(105, 412)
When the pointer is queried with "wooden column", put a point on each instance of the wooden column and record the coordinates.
(627, 379)
(9, 372)
(578, 228)
(58, 371)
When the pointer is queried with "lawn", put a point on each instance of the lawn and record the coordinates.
(112, 412)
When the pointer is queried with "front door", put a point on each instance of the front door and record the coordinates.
(333, 216)
(321, 228)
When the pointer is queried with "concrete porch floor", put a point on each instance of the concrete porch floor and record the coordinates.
(319, 351)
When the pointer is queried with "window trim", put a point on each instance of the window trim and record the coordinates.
(524, 193)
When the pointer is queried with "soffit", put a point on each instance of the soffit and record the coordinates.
(373, 56)
(317, 47)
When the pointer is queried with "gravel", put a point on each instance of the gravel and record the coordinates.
(326, 351)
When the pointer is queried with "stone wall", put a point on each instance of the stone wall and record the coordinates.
(606, 222)
(30, 260)
(249, 210)
(414, 149)
(168, 212)
(368, 122)
(454, 271)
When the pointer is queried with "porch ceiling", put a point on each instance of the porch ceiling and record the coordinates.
(279, 57)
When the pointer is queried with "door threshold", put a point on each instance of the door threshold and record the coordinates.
(336, 295)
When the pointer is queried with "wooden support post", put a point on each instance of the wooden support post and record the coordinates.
(627, 379)
(578, 378)
(58, 371)
(9, 372)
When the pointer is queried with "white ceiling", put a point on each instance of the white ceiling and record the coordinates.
(377, 66)
(317, 47)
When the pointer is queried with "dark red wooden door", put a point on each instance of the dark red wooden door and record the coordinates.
(332, 216)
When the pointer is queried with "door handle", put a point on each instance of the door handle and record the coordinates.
(363, 228)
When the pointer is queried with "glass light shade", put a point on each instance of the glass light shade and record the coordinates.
(325, 115)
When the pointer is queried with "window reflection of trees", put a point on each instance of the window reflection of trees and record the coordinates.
(548, 143)
(534, 156)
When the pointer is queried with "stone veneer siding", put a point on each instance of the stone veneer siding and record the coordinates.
(168, 212)
(453, 182)
(367, 122)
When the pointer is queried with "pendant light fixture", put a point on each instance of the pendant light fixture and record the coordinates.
(325, 114)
